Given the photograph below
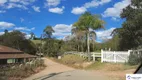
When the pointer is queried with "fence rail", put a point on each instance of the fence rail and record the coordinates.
(110, 56)
(115, 56)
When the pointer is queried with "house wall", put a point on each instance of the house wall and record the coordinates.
(11, 61)
(3, 61)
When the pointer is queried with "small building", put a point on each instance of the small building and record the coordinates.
(9, 55)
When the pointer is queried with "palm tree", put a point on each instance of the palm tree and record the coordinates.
(86, 22)
(48, 31)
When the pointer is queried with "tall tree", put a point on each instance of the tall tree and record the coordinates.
(48, 31)
(131, 32)
(17, 40)
(86, 22)
(32, 35)
(93, 37)
(5, 31)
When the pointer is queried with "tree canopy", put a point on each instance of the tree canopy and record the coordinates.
(17, 40)
(48, 31)
(86, 22)
(131, 32)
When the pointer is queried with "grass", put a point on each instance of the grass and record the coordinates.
(36, 41)
(110, 66)
(72, 60)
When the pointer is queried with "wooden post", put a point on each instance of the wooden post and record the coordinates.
(102, 56)
(94, 57)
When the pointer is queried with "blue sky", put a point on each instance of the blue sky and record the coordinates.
(34, 15)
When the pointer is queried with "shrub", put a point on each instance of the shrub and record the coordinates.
(135, 58)
(72, 60)
(19, 72)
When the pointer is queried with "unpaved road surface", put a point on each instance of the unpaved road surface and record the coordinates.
(56, 71)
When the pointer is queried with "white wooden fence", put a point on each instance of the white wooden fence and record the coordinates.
(94, 55)
(115, 56)
(110, 56)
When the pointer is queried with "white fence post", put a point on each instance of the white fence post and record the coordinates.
(102, 56)
(93, 57)
(129, 51)
(114, 57)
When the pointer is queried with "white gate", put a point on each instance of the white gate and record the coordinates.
(115, 56)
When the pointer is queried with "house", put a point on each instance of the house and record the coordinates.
(9, 55)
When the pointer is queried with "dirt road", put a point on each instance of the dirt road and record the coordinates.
(56, 71)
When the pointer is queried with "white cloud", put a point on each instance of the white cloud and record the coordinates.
(14, 5)
(3, 1)
(62, 30)
(52, 3)
(24, 28)
(93, 3)
(57, 10)
(14, 0)
(1, 33)
(105, 34)
(21, 20)
(27, 36)
(23, 4)
(4, 25)
(2, 11)
(78, 10)
(37, 9)
(116, 10)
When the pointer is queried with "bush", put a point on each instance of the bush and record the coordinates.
(135, 58)
(18, 72)
(72, 60)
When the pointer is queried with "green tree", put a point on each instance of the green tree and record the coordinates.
(52, 47)
(5, 31)
(79, 37)
(86, 22)
(48, 31)
(131, 32)
(17, 40)
(32, 35)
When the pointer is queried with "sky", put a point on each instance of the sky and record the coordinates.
(34, 15)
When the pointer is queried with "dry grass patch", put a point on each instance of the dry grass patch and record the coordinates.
(18, 72)
(73, 61)
(110, 66)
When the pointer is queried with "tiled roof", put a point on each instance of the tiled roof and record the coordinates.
(7, 56)
(8, 49)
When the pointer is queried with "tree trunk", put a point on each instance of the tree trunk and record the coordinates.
(93, 45)
(88, 46)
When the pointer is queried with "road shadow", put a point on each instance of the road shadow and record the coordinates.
(51, 75)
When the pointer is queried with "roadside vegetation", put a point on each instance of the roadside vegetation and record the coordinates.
(110, 66)
(20, 71)
(72, 60)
